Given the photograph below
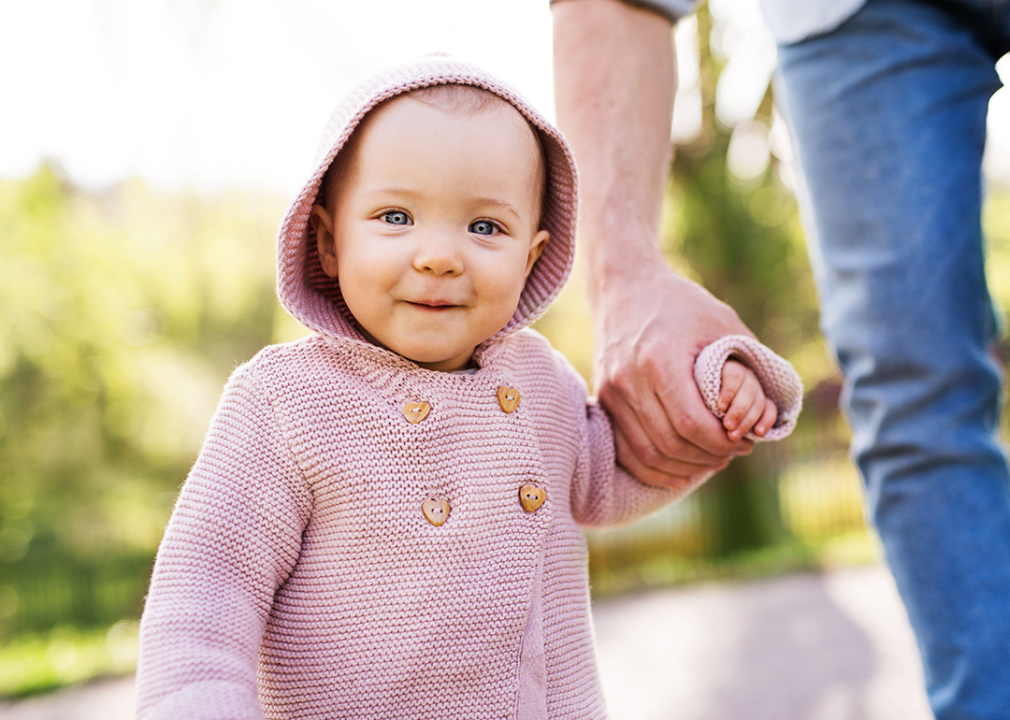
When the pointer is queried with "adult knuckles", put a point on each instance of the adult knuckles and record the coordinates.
(686, 426)
(641, 449)
(652, 476)
(613, 399)
(654, 360)
(649, 454)
(669, 482)
(623, 381)
(670, 445)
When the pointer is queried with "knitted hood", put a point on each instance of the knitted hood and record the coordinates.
(314, 299)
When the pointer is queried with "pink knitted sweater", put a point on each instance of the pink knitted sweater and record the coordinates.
(302, 574)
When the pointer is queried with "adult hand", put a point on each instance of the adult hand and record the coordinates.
(650, 327)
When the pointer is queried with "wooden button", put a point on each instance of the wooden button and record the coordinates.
(436, 510)
(508, 398)
(416, 412)
(532, 497)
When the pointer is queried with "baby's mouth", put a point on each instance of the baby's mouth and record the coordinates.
(432, 304)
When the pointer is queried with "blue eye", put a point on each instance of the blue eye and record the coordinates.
(483, 227)
(396, 217)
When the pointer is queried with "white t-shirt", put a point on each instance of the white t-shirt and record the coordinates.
(789, 20)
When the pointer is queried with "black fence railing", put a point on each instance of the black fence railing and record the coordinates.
(38, 593)
(801, 491)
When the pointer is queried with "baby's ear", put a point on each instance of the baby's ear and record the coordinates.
(326, 245)
(536, 248)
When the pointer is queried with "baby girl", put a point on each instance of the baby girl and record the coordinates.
(384, 519)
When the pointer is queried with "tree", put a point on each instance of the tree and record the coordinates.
(741, 238)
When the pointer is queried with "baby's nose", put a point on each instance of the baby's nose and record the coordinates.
(439, 254)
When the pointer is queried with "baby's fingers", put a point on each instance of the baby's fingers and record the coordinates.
(767, 421)
(741, 415)
(733, 377)
(754, 414)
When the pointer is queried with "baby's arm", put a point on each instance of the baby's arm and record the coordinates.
(743, 401)
(234, 535)
(604, 494)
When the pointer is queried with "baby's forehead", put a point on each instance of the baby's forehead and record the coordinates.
(466, 102)
(469, 101)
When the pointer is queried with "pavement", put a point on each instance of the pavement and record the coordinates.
(825, 646)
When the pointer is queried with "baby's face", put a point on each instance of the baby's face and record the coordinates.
(434, 228)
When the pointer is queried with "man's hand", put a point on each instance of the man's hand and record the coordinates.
(649, 333)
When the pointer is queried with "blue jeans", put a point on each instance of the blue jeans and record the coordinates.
(889, 114)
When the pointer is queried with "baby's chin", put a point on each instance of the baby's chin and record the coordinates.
(425, 357)
(441, 362)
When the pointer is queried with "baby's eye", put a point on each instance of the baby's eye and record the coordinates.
(396, 217)
(483, 227)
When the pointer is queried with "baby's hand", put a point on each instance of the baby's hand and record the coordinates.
(743, 400)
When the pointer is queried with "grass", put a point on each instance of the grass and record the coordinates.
(32, 663)
(858, 547)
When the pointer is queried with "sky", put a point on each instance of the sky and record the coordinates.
(218, 93)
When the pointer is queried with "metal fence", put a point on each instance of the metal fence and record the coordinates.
(40, 593)
(802, 491)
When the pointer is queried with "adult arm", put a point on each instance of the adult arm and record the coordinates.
(615, 80)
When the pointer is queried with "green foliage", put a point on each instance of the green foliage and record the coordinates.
(121, 315)
(637, 571)
(742, 239)
(35, 662)
(996, 225)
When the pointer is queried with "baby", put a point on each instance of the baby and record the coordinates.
(384, 519)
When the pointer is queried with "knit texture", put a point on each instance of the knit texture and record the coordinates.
(299, 577)
(778, 379)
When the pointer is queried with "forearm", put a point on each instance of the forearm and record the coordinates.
(615, 81)
(234, 537)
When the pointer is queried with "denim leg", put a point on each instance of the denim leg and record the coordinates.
(889, 112)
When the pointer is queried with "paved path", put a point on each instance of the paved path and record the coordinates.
(105, 700)
(832, 646)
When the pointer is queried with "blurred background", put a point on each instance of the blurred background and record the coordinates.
(148, 150)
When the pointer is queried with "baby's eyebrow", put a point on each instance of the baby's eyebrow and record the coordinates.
(504, 206)
(395, 190)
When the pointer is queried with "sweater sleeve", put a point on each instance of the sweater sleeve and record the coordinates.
(603, 493)
(234, 536)
(778, 379)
